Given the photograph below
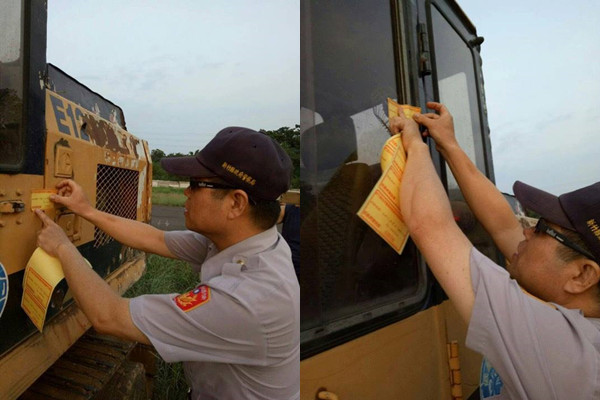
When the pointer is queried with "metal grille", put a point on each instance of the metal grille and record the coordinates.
(117, 194)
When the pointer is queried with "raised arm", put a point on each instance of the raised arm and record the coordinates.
(427, 213)
(131, 233)
(485, 200)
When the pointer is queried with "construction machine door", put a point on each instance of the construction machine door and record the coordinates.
(456, 80)
(22, 138)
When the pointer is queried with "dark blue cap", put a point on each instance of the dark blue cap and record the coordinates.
(578, 210)
(244, 158)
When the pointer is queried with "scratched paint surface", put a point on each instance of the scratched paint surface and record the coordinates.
(76, 122)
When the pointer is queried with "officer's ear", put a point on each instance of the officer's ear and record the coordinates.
(238, 203)
(585, 274)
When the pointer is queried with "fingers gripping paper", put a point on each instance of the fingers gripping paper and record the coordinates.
(381, 210)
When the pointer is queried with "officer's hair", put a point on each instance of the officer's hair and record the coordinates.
(567, 254)
(264, 213)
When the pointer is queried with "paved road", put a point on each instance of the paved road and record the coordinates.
(168, 218)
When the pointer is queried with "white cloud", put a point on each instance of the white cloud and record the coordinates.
(182, 70)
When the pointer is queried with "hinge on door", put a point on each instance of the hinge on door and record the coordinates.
(455, 376)
(476, 42)
(424, 54)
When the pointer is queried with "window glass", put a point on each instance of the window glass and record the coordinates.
(457, 88)
(455, 67)
(10, 31)
(348, 274)
(11, 84)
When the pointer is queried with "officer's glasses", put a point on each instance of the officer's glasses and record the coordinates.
(211, 185)
(214, 185)
(541, 226)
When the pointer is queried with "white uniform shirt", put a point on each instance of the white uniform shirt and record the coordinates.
(238, 333)
(532, 350)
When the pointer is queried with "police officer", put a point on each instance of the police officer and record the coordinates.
(238, 331)
(537, 323)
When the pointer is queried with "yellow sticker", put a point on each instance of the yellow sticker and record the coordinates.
(42, 273)
(381, 210)
(40, 198)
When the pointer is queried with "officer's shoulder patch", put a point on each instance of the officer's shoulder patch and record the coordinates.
(194, 298)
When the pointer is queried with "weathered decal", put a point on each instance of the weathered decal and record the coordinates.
(75, 121)
(3, 288)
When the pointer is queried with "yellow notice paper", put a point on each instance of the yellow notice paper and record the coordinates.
(40, 198)
(42, 273)
(381, 209)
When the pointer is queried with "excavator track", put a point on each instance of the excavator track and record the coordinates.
(95, 367)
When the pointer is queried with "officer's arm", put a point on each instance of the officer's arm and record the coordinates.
(136, 234)
(488, 204)
(131, 233)
(427, 213)
(106, 310)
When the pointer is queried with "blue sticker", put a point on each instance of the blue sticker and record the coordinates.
(490, 383)
(3, 288)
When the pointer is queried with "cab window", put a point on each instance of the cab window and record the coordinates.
(349, 276)
(11, 85)
(456, 67)
(457, 88)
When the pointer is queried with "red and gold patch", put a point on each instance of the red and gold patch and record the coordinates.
(194, 298)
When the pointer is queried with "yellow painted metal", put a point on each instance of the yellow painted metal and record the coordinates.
(91, 141)
(406, 360)
(18, 230)
(292, 196)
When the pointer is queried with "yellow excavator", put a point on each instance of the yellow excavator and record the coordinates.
(52, 128)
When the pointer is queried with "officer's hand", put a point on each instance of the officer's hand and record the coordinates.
(71, 195)
(51, 237)
(408, 128)
(439, 126)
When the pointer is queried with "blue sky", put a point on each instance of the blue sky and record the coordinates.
(541, 65)
(182, 70)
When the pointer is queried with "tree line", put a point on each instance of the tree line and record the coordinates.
(288, 138)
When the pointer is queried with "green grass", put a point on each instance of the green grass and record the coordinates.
(164, 275)
(166, 196)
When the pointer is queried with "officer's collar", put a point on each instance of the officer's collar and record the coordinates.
(239, 251)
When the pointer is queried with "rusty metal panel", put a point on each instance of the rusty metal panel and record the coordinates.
(84, 138)
(60, 82)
